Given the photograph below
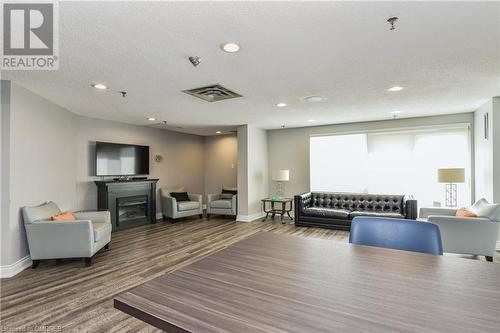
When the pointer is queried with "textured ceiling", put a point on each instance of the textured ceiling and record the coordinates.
(446, 55)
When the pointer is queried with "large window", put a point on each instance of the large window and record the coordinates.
(391, 162)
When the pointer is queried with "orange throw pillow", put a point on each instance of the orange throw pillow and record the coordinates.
(63, 217)
(462, 212)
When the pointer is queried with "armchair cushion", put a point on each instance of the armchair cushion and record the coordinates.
(41, 212)
(180, 196)
(463, 212)
(101, 230)
(165, 192)
(222, 203)
(229, 191)
(484, 209)
(94, 216)
(63, 217)
(188, 205)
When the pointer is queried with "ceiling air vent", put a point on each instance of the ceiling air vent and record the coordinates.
(212, 93)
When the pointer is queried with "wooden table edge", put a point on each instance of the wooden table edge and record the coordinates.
(146, 317)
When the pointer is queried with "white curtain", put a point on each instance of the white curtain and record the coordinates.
(391, 163)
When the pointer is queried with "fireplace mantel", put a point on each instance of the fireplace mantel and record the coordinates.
(120, 196)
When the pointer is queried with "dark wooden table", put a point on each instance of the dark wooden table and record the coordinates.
(282, 210)
(278, 283)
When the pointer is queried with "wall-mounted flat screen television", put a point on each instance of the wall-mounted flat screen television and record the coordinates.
(115, 159)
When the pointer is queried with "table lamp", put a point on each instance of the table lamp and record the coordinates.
(280, 176)
(451, 176)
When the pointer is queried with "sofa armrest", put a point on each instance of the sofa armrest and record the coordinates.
(425, 212)
(302, 201)
(96, 216)
(213, 197)
(64, 239)
(411, 209)
(196, 197)
(459, 219)
(169, 206)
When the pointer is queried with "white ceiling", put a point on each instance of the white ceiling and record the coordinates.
(446, 55)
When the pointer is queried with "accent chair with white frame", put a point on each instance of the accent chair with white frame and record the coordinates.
(173, 209)
(49, 239)
(467, 235)
(223, 203)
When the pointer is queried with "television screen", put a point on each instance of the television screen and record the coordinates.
(114, 159)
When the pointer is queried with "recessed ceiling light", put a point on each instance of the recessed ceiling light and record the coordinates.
(313, 98)
(281, 105)
(230, 47)
(218, 132)
(99, 86)
(151, 119)
(311, 120)
(395, 88)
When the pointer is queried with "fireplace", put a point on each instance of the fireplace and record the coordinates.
(131, 203)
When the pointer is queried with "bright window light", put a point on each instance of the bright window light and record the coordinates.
(391, 163)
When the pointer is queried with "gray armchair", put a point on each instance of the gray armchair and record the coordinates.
(65, 239)
(222, 203)
(174, 210)
(464, 235)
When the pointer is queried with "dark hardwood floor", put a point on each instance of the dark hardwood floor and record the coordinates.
(67, 296)
(72, 297)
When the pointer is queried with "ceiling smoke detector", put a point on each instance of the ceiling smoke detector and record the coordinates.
(212, 93)
(195, 61)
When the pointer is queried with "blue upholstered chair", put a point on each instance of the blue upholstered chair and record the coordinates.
(399, 234)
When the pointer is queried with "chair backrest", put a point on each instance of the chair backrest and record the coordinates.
(229, 188)
(41, 212)
(165, 192)
(400, 234)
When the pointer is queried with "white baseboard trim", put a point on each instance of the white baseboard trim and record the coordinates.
(8, 271)
(249, 218)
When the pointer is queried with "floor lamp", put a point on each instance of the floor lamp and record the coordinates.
(451, 176)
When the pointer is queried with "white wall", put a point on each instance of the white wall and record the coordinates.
(483, 149)
(5, 171)
(42, 161)
(242, 172)
(258, 166)
(221, 156)
(495, 125)
(252, 171)
(289, 148)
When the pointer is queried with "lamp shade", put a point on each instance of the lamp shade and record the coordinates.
(281, 175)
(451, 175)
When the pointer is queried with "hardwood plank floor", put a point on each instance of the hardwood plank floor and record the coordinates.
(69, 297)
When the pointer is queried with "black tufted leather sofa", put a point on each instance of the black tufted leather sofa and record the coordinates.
(336, 209)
